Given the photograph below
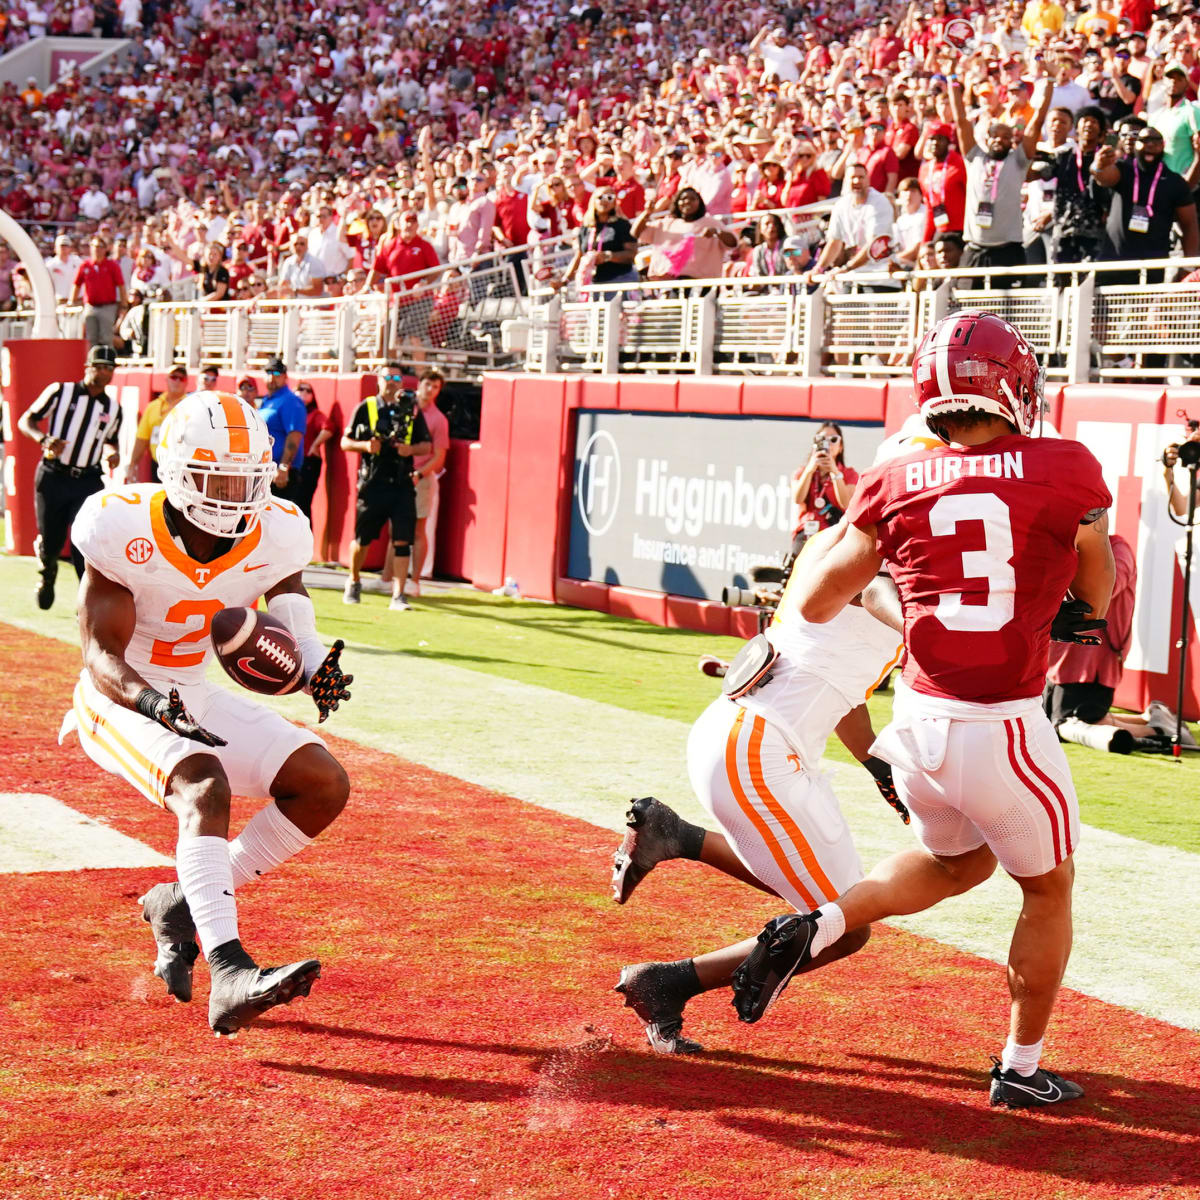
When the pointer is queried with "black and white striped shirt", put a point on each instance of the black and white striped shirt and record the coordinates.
(85, 422)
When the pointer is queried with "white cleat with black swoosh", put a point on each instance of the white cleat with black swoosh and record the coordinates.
(1011, 1089)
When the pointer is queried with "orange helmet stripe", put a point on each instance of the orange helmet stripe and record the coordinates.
(239, 431)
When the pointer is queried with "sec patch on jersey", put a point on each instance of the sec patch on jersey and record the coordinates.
(257, 650)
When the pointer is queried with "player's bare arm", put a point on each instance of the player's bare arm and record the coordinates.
(836, 577)
(325, 681)
(881, 598)
(1097, 572)
(107, 615)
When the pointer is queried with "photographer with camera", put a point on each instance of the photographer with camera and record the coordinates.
(387, 430)
(824, 486)
(1186, 453)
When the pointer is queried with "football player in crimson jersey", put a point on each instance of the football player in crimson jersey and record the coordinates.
(984, 536)
(161, 562)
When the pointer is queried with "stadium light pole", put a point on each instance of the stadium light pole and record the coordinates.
(45, 303)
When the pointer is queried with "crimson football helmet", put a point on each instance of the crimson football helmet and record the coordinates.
(214, 459)
(977, 360)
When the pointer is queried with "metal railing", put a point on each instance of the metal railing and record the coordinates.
(1086, 321)
(1084, 324)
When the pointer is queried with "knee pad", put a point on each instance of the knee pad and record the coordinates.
(401, 549)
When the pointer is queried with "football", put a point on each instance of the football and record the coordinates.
(257, 651)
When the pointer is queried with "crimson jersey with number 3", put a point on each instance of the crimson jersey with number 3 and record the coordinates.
(981, 543)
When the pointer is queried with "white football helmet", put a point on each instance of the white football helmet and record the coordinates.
(214, 459)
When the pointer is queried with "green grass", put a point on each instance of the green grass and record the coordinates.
(648, 669)
(644, 669)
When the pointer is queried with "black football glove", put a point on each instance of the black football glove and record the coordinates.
(1072, 624)
(328, 685)
(881, 772)
(169, 712)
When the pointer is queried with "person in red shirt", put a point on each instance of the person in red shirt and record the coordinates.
(103, 287)
(512, 219)
(772, 187)
(885, 48)
(983, 535)
(809, 183)
(943, 180)
(903, 135)
(631, 196)
(883, 167)
(403, 252)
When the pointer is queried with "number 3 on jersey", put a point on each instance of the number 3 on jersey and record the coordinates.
(164, 653)
(993, 562)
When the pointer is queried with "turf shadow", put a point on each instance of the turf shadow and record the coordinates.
(470, 1091)
(1125, 1132)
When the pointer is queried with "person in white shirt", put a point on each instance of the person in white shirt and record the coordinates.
(62, 265)
(780, 60)
(1068, 93)
(94, 204)
(327, 243)
(862, 232)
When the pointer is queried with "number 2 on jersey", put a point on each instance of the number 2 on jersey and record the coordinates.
(993, 562)
(163, 653)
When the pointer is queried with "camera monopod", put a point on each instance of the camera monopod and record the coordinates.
(1189, 457)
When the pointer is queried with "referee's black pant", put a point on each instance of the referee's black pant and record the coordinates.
(58, 497)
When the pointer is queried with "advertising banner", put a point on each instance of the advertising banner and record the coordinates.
(687, 504)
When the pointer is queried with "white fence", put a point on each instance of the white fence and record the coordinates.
(495, 312)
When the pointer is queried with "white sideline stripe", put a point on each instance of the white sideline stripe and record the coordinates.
(39, 833)
(1136, 944)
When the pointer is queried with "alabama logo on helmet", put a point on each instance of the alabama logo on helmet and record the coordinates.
(976, 360)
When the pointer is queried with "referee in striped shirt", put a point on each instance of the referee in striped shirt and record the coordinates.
(83, 423)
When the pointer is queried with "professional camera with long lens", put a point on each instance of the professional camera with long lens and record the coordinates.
(765, 592)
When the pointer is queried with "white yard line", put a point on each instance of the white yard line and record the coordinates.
(39, 833)
(1136, 945)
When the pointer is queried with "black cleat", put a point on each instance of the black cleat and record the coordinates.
(242, 991)
(783, 947)
(45, 593)
(1010, 1089)
(655, 834)
(166, 911)
(651, 991)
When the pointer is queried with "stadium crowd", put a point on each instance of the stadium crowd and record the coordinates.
(309, 149)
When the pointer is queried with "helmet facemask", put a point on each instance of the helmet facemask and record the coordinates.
(225, 499)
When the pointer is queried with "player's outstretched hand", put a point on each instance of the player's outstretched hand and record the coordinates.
(881, 772)
(1074, 625)
(328, 685)
(169, 711)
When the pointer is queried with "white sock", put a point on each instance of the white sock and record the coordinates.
(268, 839)
(831, 924)
(1022, 1059)
(207, 881)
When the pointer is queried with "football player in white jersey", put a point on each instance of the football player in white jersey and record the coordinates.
(162, 559)
(753, 759)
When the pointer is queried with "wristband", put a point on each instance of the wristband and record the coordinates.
(149, 703)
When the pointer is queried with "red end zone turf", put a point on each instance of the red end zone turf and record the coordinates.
(463, 1040)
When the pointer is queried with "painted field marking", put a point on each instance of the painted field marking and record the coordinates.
(586, 759)
(39, 833)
